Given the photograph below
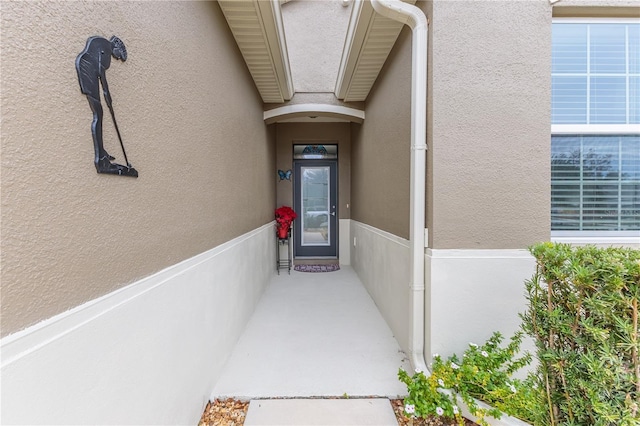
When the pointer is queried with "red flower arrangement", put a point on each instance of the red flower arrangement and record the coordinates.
(284, 216)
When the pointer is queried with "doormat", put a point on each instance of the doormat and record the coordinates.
(316, 268)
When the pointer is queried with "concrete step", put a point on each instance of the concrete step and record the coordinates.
(325, 412)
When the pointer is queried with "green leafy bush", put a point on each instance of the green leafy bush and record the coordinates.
(583, 315)
(484, 372)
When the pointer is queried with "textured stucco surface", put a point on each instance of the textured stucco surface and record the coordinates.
(381, 147)
(489, 124)
(289, 134)
(488, 129)
(192, 125)
(315, 31)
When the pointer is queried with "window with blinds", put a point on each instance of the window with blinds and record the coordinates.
(595, 73)
(595, 183)
(595, 173)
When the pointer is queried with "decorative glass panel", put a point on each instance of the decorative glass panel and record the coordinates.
(315, 152)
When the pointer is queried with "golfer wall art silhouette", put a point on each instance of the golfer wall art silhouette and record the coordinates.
(92, 64)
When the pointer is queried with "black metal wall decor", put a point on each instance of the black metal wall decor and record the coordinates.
(92, 64)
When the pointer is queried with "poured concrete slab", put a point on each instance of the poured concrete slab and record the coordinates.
(312, 335)
(326, 412)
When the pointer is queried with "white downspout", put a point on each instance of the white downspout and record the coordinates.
(413, 17)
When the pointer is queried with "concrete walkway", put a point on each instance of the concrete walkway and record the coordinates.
(321, 412)
(314, 335)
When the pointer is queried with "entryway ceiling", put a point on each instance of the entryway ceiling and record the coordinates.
(311, 46)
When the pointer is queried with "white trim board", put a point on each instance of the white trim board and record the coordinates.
(631, 242)
(478, 253)
(149, 353)
(595, 129)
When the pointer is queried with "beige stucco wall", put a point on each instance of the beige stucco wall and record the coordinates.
(289, 134)
(315, 31)
(489, 124)
(381, 147)
(488, 129)
(192, 126)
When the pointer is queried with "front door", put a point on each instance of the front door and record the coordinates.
(315, 200)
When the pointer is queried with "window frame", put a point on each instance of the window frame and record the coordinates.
(595, 237)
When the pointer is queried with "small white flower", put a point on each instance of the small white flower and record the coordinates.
(436, 355)
(454, 366)
(441, 382)
(473, 344)
(513, 388)
(409, 408)
(484, 354)
(418, 371)
(439, 411)
(455, 409)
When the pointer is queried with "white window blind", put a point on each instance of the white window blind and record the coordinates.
(595, 183)
(595, 167)
(596, 73)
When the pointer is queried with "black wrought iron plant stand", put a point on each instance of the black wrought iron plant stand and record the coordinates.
(284, 263)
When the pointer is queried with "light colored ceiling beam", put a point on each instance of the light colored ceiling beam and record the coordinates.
(313, 111)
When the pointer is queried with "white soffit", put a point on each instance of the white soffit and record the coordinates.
(258, 31)
(370, 38)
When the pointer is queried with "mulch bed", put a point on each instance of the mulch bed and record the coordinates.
(228, 412)
(231, 412)
(398, 409)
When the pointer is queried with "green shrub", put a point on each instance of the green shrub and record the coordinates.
(583, 315)
(484, 372)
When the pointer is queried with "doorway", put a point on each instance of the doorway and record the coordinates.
(315, 198)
